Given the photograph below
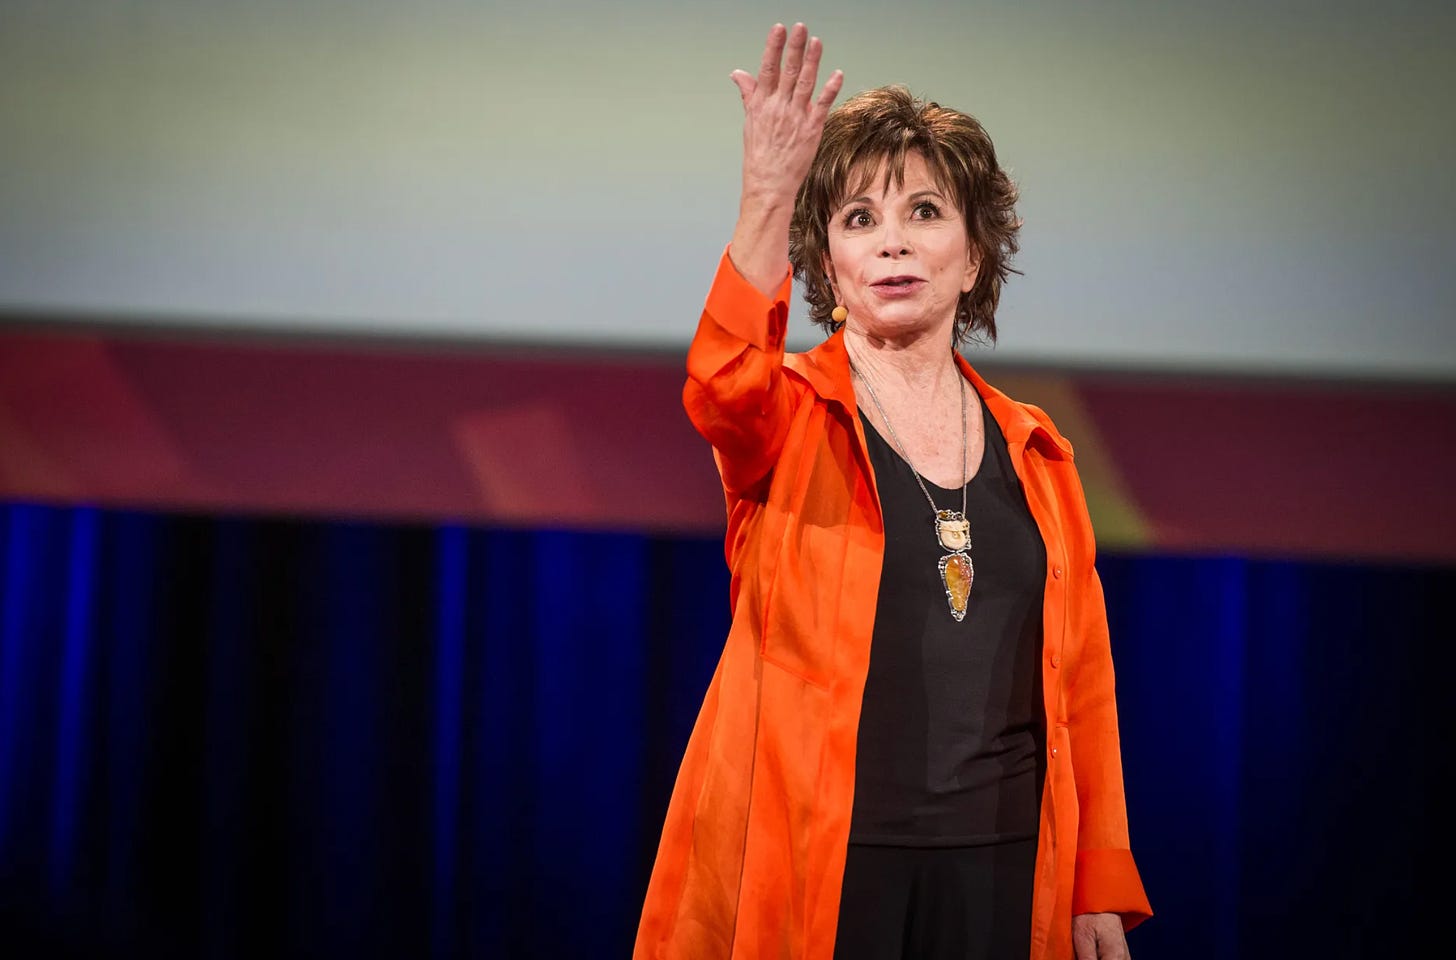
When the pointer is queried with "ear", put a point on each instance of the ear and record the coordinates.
(828, 267)
(973, 269)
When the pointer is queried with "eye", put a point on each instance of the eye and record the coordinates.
(859, 217)
(925, 210)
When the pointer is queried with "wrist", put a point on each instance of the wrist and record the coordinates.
(766, 200)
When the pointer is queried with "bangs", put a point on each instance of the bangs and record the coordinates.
(887, 161)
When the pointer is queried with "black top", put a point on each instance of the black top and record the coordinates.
(952, 735)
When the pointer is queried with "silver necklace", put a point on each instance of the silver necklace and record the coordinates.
(952, 529)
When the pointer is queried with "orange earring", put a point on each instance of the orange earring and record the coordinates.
(839, 314)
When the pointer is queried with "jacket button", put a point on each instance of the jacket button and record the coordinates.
(1056, 661)
(1057, 572)
(1054, 751)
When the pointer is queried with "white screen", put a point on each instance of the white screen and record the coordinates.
(1261, 187)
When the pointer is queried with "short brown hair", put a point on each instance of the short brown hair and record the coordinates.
(882, 126)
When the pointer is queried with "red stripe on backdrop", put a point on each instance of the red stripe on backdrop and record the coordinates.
(351, 430)
(600, 441)
(1286, 469)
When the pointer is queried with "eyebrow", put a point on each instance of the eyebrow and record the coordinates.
(918, 194)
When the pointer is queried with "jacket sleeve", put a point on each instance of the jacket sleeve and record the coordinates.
(736, 395)
(1106, 878)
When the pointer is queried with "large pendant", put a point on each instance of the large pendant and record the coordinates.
(957, 573)
(953, 531)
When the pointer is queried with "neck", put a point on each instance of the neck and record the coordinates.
(920, 365)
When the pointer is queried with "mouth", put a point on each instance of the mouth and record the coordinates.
(897, 282)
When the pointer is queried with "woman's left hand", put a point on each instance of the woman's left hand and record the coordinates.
(1099, 936)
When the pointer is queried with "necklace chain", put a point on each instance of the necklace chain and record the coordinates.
(965, 457)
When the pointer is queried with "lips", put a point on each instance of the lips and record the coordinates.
(902, 287)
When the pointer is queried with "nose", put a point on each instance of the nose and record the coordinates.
(893, 241)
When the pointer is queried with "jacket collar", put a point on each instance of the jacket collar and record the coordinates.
(826, 369)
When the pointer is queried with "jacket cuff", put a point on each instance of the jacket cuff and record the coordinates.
(741, 309)
(1107, 881)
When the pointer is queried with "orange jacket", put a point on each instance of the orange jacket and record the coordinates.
(752, 853)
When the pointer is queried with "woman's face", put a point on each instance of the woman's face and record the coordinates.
(899, 257)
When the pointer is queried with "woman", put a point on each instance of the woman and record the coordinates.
(909, 747)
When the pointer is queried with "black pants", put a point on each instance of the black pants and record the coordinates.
(937, 903)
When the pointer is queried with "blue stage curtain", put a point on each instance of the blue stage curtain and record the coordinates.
(233, 737)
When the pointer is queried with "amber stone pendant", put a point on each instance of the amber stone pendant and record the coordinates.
(957, 573)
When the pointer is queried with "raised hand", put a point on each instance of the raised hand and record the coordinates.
(783, 122)
(782, 125)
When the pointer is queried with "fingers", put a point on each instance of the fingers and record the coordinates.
(794, 61)
(809, 71)
(745, 83)
(773, 50)
(831, 90)
(790, 67)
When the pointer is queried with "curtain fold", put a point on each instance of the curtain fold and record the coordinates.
(240, 737)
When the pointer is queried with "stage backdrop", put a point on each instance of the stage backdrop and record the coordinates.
(1238, 186)
(262, 737)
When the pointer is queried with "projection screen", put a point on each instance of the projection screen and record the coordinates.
(1230, 187)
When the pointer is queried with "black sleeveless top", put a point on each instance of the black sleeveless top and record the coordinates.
(952, 734)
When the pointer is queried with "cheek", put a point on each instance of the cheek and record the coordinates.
(845, 260)
(956, 261)
(838, 267)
